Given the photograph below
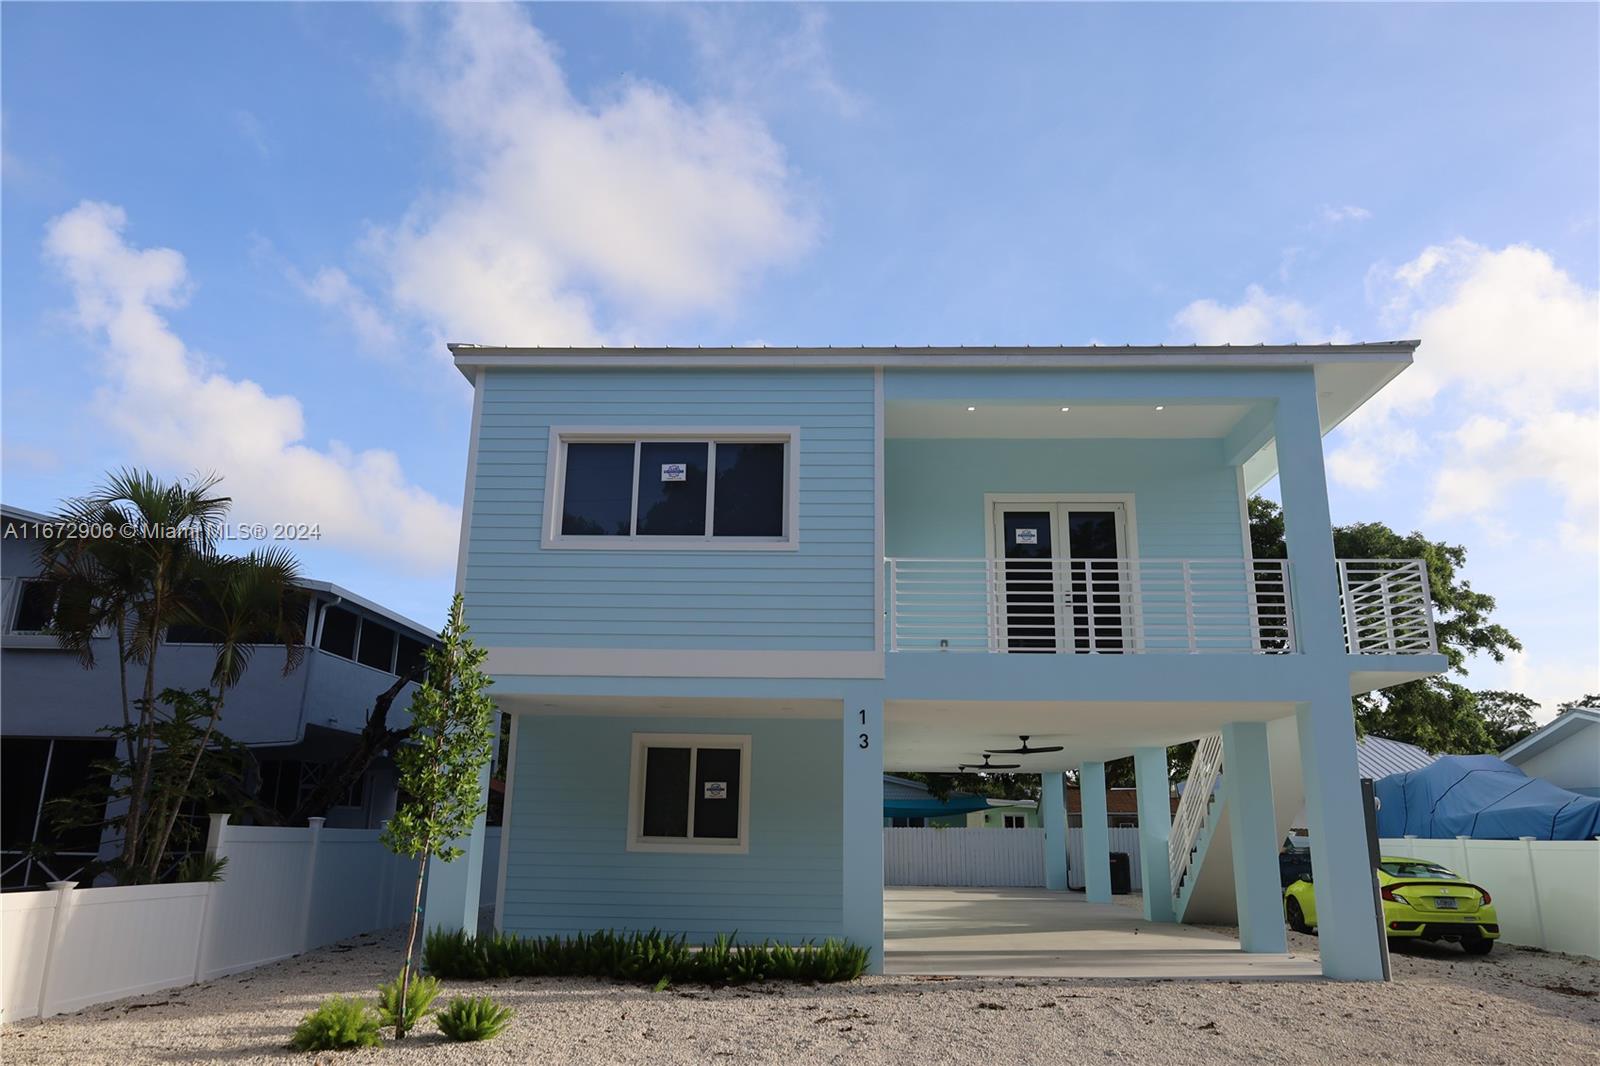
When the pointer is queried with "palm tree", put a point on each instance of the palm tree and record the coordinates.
(240, 603)
(158, 566)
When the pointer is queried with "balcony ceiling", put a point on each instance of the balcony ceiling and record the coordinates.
(1008, 420)
(928, 735)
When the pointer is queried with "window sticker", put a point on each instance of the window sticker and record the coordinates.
(716, 790)
(1027, 536)
(674, 472)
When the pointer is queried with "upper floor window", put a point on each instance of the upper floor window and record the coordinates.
(36, 606)
(673, 490)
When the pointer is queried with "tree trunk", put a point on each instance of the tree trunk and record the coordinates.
(375, 738)
(411, 940)
(168, 820)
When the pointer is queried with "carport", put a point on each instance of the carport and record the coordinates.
(1022, 932)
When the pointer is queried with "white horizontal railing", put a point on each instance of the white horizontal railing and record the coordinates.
(1090, 606)
(1387, 607)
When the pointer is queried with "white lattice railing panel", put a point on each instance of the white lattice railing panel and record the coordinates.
(1387, 607)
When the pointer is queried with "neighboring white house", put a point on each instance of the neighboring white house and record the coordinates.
(1565, 752)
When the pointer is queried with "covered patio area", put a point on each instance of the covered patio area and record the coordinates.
(1025, 932)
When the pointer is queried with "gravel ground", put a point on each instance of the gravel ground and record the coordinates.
(1515, 1006)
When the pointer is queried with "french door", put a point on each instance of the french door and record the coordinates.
(1061, 584)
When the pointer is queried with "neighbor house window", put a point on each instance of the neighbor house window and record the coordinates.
(1016, 821)
(673, 491)
(36, 606)
(689, 792)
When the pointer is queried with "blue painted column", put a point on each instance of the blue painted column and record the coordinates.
(1253, 832)
(1155, 832)
(862, 738)
(1351, 943)
(451, 897)
(1096, 833)
(1053, 814)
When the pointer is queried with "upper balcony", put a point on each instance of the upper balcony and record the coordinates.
(1027, 603)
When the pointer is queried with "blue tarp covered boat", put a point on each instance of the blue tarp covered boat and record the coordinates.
(1482, 797)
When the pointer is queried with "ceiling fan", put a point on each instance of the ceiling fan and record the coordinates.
(964, 767)
(1024, 750)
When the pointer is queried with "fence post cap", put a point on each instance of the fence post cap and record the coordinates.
(1462, 836)
(315, 823)
(1411, 836)
(1527, 838)
(61, 886)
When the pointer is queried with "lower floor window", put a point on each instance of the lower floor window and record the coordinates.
(908, 823)
(689, 792)
(1016, 821)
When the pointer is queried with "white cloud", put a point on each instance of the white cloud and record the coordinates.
(1260, 318)
(1347, 213)
(1509, 362)
(1550, 683)
(769, 54)
(572, 221)
(173, 407)
(333, 289)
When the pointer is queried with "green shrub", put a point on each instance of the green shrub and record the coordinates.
(420, 994)
(340, 1022)
(653, 958)
(473, 1018)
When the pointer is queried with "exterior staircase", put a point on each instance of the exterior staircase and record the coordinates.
(1202, 844)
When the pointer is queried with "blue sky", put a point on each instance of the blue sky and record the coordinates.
(237, 236)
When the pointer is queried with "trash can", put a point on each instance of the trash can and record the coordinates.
(1121, 874)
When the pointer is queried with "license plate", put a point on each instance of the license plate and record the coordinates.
(1446, 903)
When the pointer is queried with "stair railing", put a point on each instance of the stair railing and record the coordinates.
(1193, 807)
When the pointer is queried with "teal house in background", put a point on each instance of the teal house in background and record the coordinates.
(724, 589)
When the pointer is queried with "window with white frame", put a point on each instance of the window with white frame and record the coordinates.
(1016, 821)
(689, 792)
(673, 490)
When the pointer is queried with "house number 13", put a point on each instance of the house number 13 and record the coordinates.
(866, 741)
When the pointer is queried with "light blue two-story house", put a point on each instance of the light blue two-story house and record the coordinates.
(724, 589)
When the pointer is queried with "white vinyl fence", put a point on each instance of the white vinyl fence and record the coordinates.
(1546, 892)
(284, 891)
(987, 858)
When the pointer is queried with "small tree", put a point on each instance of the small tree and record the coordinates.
(453, 734)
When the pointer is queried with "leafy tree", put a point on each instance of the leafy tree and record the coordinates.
(1435, 713)
(453, 735)
(1591, 700)
(134, 558)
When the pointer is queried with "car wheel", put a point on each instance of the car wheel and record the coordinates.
(1297, 917)
(1477, 945)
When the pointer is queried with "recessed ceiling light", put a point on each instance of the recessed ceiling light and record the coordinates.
(972, 408)
(1066, 408)
(1160, 408)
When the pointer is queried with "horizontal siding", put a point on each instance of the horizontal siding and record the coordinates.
(818, 597)
(1186, 500)
(568, 868)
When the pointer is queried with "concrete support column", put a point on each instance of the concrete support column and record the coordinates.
(1053, 814)
(863, 822)
(451, 897)
(1155, 832)
(1096, 832)
(1351, 943)
(1307, 524)
(1253, 829)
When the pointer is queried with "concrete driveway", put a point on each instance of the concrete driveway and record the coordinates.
(1023, 932)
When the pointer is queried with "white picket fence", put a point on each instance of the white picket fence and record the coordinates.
(284, 891)
(987, 858)
(1546, 892)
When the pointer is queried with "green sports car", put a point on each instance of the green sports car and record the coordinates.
(1421, 901)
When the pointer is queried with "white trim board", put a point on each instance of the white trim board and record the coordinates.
(669, 662)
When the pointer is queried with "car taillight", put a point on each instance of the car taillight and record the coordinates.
(1487, 899)
(1388, 893)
